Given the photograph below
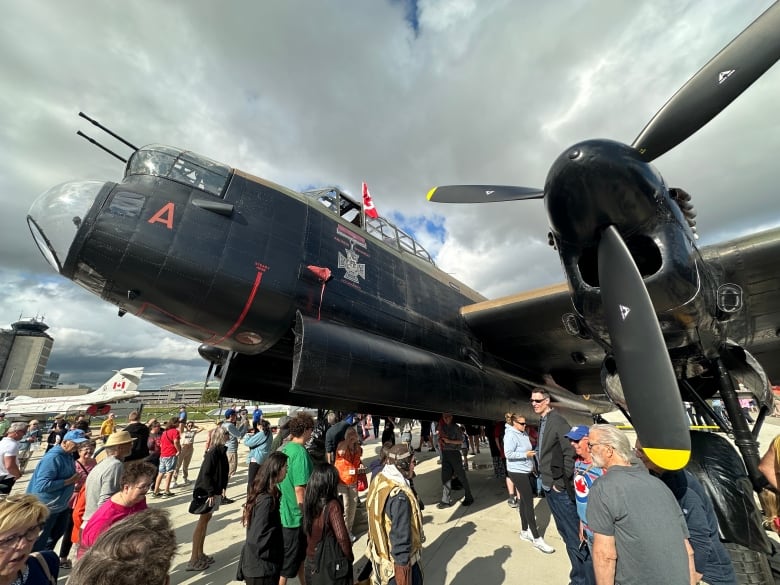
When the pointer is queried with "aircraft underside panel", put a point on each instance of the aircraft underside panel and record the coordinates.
(341, 363)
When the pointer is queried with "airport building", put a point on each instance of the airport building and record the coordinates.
(24, 353)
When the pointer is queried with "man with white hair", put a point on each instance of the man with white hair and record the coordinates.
(639, 532)
(9, 456)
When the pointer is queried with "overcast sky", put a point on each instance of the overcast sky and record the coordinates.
(403, 95)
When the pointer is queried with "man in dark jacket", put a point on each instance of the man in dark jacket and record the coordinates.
(451, 441)
(555, 457)
(335, 434)
(140, 432)
(710, 558)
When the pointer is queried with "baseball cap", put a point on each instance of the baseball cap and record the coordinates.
(76, 436)
(229, 412)
(578, 432)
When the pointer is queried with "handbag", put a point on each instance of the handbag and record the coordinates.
(362, 481)
(200, 502)
(332, 566)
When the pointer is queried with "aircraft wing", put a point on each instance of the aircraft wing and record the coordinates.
(526, 332)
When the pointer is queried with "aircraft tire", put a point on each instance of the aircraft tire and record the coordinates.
(751, 567)
(719, 467)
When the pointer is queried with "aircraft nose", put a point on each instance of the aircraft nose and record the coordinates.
(56, 216)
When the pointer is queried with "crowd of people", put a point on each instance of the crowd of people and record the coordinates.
(621, 518)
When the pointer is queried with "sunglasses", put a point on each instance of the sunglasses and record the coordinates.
(537, 400)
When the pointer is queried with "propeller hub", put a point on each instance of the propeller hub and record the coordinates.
(598, 183)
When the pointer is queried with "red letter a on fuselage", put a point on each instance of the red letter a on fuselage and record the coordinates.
(164, 215)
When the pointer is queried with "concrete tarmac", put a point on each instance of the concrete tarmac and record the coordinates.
(463, 546)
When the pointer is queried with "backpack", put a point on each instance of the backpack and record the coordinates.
(330, 565)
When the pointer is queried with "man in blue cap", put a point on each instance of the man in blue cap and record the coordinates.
(52, 482)
(235, 432)
(585, 473)
(335, 434)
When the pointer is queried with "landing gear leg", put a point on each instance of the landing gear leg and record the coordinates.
(743, 438)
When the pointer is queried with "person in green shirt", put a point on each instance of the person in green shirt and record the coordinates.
(299, 468)
(4, 425)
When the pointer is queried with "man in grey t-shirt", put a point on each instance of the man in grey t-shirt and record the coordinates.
(104, 479)
(639, 532)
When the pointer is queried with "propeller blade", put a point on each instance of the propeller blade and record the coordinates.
(482, 193)
(208, 375)
(646, 374)
(714, 87)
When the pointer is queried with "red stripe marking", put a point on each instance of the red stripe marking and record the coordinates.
(261, 268)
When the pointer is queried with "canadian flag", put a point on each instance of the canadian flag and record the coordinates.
(119, 385)
(368, 204)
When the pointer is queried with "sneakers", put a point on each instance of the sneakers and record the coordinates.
(167, 494)
(155, 494)
(526, 535)
(512, 502)
(174, 484)
(226, 500)
(441, 505)
(541, 545)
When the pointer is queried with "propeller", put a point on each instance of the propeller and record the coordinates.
(640, 352)
(714, 86)
(482, 193)
(703, 97)
(646, 374)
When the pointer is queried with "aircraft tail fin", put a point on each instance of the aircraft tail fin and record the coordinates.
(125, 380)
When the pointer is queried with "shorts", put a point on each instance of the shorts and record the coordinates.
(294, 551)
(167, 464)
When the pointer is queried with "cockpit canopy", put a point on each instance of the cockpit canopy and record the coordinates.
(347, 208)
(182, 166)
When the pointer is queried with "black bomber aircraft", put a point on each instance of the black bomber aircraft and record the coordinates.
(302, 298)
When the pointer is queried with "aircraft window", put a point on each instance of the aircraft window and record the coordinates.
(150, 162)
(126, 204)
(328, 202)
(338, 202)
(181, 166)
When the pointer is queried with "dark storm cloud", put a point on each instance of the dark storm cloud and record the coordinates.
(313, 93)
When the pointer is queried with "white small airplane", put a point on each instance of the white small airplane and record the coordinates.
(121, 386)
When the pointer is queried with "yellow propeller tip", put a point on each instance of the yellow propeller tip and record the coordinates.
(430, 193)
(671, 459)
